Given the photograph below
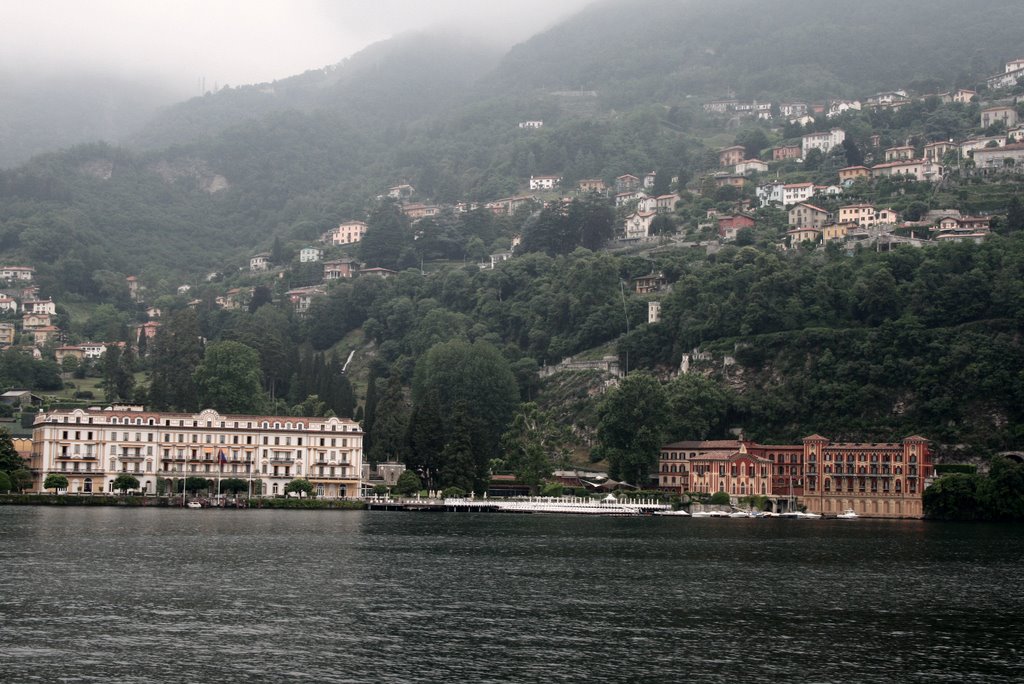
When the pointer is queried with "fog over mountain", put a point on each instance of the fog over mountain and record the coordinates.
(74, 72)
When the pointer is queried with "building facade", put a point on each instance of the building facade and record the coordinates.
(873, 479)
(92, 447)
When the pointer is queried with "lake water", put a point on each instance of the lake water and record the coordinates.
(149, 595)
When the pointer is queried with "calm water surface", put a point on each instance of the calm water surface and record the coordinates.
(139, 595)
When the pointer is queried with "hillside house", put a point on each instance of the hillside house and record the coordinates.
(416, 212)
(309, 255)
(792, 109)
(1010, 76)
(39, 306)
(806, 215)
(794, 193)
(147, 329)
(918, 169)
(6, 334)
(134, 288)
(259, 262)
(731, 156)
(1004, 114)
(969, 146)
(44, 335)
(866, 216)
(301, 298)
(638, 225)
(798, 235)
(823, 141)
(770, 192)
(851, 173)
(627, 183)
(652, 282)
(339, 269)
(835, 231)
(893, 99)
(784, 152)
(729, 179)
(937, 151)
(378, 272)
(666, 203)
(544, 182)
(729, 226)
(720, 106)
(749, 166)
(16, 273)
(900, 153)
(31, 321)
(998, 158)
(499, 257)
(507, 205)
(8, 305)
(624, 198)
(960, 96)
(1015, 134)
(653, 312)
(964, 224)
(592, 185)
(347, 233)
(74, 351)
(649, 179)
(401, 192)
(838, 107)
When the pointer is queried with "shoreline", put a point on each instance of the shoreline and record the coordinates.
(166, 502)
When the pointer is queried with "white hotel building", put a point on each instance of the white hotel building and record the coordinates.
(92, 447)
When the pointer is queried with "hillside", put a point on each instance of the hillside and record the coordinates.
(657, 50)
(390, 83)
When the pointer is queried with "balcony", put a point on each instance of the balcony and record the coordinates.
(77, 457)
(282, 458)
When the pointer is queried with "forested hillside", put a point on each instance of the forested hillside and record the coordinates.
(658, 49)
(467, 283)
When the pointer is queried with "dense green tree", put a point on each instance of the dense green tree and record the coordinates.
(55, 481)
(390, 429)
(408, 484)
(5, 482)
(233, 485)
(123, 482)
(176, 353)
(118, 378)
(697, 407)
(299, 486)
(478, 375)
(229, 378)
(753, 140)
(460, 467)
(534, 445)
(426, 439)
(10, 460)
(631, 427)
(386, 236)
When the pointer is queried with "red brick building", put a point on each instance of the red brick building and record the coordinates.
(873, 479)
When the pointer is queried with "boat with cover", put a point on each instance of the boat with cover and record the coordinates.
(848, 514)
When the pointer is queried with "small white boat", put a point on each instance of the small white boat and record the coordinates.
(194, 504)
(799, 515)
(848, 514)
(680, 513)
(739, 514)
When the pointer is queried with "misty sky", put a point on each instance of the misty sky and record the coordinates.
(238, 41)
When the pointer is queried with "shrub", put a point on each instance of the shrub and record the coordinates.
(720, 498)
(84, 394)
(453, 492)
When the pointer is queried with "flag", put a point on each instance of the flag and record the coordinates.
(222, 457)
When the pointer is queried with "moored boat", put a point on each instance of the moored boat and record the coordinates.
(848, 514)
